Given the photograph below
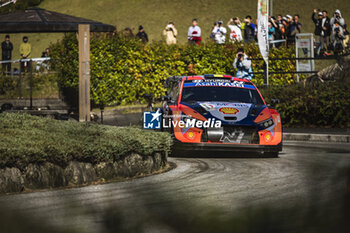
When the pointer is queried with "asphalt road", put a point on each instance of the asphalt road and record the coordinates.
(227, 184)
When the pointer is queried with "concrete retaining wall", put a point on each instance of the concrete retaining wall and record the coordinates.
(48, 175)
(308, 137)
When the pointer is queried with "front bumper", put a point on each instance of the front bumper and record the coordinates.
(194, 149)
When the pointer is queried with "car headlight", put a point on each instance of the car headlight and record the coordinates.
(266, 124)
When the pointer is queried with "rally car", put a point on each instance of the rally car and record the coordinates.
(219, 113)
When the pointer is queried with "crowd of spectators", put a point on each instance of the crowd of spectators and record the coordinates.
(25, 51)
(331, 34)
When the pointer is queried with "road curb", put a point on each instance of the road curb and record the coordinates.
(316, 137)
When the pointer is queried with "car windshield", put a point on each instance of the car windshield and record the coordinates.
(221, 94)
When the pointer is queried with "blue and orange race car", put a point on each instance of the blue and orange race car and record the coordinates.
(219, 113)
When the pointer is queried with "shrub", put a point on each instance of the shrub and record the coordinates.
(29, 139)
(323, 104)
(44, 86)
(122, 70)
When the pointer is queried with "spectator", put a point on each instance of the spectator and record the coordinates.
(142, 35)
(289, 21)
(220, 33)
(25, 50)
(271, 31)
(337, 22)
(294, 28)
(318, 29)
(44, 64)
(194, 33)
(235, 30)
(212, 34)
(249, 29)
(279, 19)
(277, 34)
(170, 34)
(326, 30)
(338, 42)
(317, 22)
(243, 65)
(283, 27)
(7, 48)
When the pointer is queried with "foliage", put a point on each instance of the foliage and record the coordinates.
(321, 105)
(44, 86)
(28, 139)
(122, 70)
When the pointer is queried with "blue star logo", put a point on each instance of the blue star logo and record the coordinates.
(152, 120)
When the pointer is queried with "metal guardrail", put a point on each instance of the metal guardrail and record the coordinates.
(333, 57)
(276, 41)
(41, 59)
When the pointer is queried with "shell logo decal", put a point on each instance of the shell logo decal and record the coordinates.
(190, 134)
(228, 110)
(268, 137)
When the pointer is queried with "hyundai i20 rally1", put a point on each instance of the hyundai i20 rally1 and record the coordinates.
(219, 113)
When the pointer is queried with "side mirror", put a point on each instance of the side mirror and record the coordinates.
(274, 102)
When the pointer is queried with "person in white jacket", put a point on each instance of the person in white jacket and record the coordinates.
(219, 32)
(235, 30)
(194, 33)
(337, 22)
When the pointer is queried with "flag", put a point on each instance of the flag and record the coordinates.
(263, 32)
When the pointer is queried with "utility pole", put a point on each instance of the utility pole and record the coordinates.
(84, 72)
(271, 7)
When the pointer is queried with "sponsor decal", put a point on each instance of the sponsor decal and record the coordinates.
(214, 109)
(190, 134)
(207, 106)
(218, 83)
(228, 110)
(268, 137)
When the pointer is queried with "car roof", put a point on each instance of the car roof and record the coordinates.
(215, 76)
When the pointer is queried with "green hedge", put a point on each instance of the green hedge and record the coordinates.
(318, 105)
(44, 86)
(29, 139)
(122, 70)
